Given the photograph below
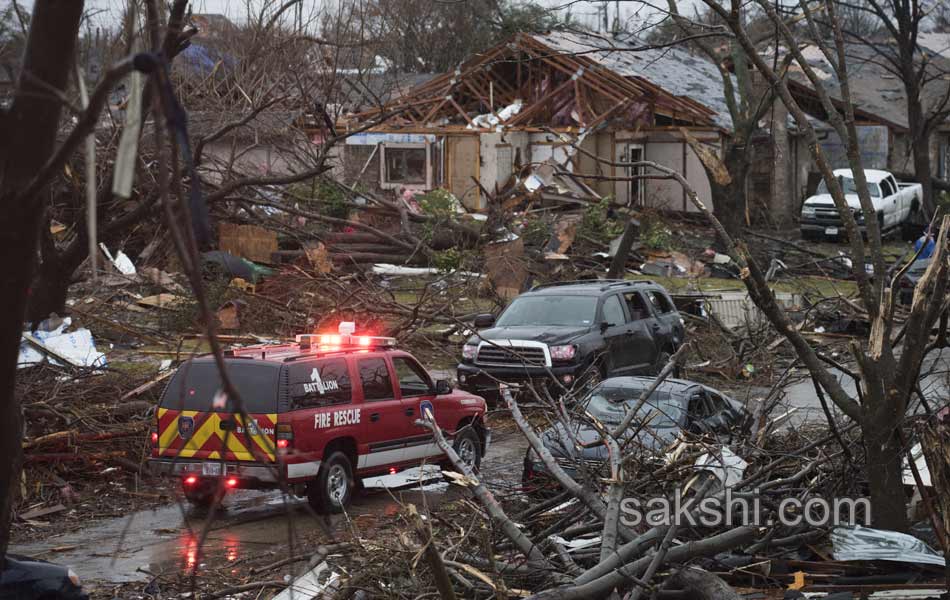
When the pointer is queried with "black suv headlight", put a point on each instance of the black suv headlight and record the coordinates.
(565, 353)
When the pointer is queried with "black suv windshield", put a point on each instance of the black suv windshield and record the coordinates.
(609, 405)
(577, 311)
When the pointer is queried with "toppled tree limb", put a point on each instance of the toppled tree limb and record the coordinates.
(700, 584)
(584, 494)
(495, 511)
(631, 572)
(257, 585)
(431, 553)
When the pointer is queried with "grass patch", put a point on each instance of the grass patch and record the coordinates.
(819, 286)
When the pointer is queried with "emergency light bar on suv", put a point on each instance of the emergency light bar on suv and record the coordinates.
(344, 339)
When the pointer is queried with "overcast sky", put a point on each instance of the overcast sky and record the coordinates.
(585, 12)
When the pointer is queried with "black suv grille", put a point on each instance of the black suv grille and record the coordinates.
(513, 356)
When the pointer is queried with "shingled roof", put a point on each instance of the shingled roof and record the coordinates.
(566, 79)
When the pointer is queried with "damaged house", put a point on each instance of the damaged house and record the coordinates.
(527, 102)
(880, 105)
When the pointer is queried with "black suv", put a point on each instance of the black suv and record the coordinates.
(574, 331)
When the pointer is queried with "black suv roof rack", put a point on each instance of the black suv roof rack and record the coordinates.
(628, 282)
(609, 283)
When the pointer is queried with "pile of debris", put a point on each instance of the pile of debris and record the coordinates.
(86, 439)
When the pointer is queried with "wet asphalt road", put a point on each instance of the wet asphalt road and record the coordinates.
(165, 540)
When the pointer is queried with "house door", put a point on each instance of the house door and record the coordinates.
(634, 153)
(463, 167)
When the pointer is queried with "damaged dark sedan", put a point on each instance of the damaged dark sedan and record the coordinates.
(675, 407)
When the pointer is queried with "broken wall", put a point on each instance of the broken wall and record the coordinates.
(873, 140)
(667, 149)
(498, 153)
(361, 160)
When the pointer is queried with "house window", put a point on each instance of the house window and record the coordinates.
(405, 165)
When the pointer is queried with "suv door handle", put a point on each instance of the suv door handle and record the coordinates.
(409, 412)
(374, 417)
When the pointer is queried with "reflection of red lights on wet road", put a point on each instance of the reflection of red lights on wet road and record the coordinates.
(192, 554)
(189, 547)
(231, 548)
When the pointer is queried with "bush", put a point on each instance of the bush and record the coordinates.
(536, 233)
(322, 196)
(600, 221)
(655, 234)
(439, 203)
(447, 260)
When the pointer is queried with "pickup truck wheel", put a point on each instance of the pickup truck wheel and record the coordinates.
(469, 449)
(334, 486)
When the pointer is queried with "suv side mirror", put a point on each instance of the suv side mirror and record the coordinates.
(442, 387)
(484, 320)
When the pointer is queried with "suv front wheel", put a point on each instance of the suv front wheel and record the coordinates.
(334, 486)
(468, 446)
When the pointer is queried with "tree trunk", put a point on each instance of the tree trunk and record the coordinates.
(922, 171)
(33, 120)
(729, 200)
(618, 266)
(729, 208)
(49, 289)
(884, 467)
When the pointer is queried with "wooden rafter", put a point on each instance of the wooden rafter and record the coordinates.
(593, 87)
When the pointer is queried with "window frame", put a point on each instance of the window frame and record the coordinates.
(426, 377)
(651, 294)
(646, 305)
(293, 401)
(389, 374)
(886, 185)
(384, 182)
(623, 310)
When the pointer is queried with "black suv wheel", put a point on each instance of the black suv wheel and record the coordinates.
(334, 486)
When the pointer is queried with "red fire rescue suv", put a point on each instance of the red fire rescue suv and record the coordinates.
(322, 413)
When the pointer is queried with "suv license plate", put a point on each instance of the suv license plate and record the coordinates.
(211, 469)
(831, 231)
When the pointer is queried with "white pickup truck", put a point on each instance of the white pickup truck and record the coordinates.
(894, 203)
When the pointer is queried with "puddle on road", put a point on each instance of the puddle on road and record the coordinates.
(165, 540)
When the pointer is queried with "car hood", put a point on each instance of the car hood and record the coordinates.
(559, 441)
(551, 335)
(826, 201)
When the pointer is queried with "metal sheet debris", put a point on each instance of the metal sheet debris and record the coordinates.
(864, 543)
(314, 583)
(57, 346)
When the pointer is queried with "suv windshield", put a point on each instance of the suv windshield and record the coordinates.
(847, 184)
(609, 405)
(196, 384)
(577, 311)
